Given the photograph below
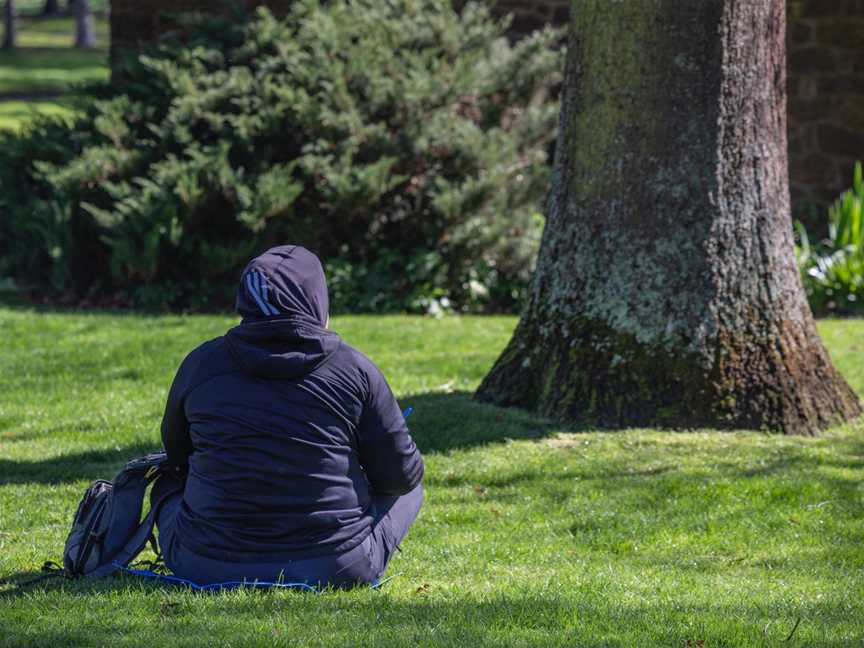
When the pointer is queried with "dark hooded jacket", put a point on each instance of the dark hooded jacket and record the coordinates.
(284, 431)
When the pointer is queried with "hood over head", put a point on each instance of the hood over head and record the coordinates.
(283, 300)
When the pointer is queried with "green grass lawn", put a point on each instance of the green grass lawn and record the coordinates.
(530, 534)
(35, 78)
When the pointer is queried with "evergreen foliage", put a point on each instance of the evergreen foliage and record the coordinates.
(404, 142)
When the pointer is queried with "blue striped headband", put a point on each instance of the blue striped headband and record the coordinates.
(256, 283)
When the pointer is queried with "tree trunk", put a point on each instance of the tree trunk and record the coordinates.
(9, 26)
(51, 7)
(85, 31)
(666, 290)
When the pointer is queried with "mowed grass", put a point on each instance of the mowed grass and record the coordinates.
(36, 77)
(530, 534)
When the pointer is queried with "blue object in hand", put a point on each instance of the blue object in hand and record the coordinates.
(407, 412)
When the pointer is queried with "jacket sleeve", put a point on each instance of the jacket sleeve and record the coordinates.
(175, 427)
(392, 462)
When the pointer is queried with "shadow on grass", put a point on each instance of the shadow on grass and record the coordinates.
(560, 619)
(91, 464)
(443, 422)
(850, 451)
(440, 423)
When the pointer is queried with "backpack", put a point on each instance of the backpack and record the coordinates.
(107, 530)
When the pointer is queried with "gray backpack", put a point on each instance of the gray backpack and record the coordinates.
(107, 531)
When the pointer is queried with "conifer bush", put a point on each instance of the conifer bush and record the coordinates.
(404, 142)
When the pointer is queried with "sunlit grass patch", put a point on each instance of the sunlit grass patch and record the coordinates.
(36, 77)
(14, 114)
(531, 533)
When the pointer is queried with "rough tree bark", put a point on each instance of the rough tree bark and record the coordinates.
(85, 30)
(9, 26)
(666, 290)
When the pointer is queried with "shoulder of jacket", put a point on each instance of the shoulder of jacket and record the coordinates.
(205, 351)
(207, 360)
(354, 358)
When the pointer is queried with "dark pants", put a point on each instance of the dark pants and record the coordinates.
(392, 516)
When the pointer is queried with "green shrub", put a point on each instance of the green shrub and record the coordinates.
(833, 270)
(405, 143)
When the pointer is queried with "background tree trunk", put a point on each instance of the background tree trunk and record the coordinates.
(666, 290)
(9, 27)
(51, 7)
(85, 30)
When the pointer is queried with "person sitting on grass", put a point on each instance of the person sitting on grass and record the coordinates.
(297, 461)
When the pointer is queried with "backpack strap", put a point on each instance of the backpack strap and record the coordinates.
(144, 532)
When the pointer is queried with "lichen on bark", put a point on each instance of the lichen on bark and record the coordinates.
(666, 290)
